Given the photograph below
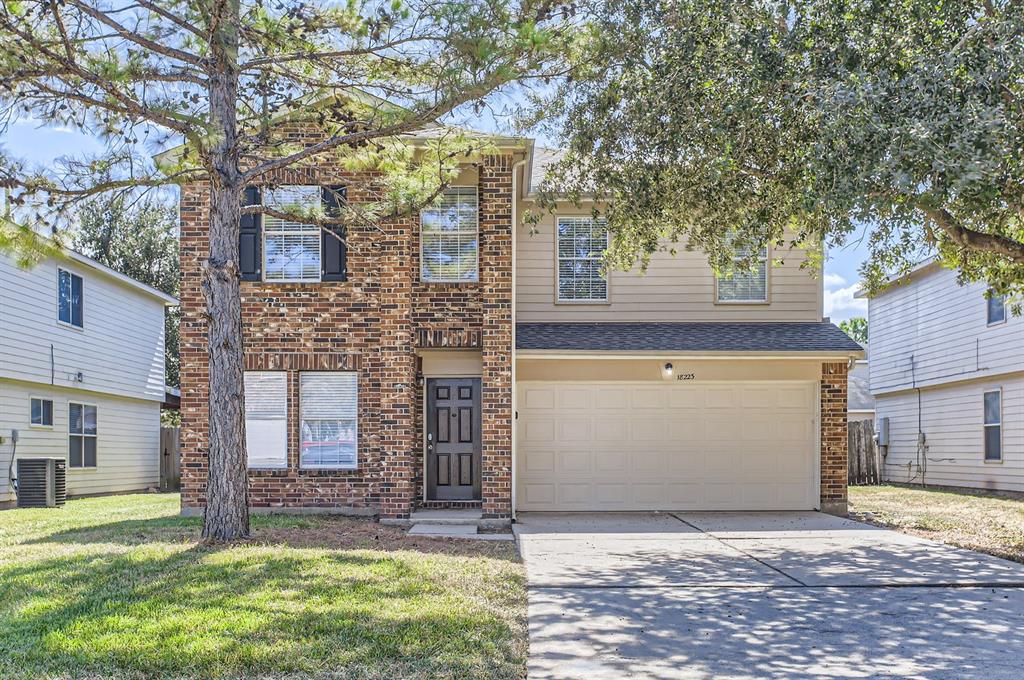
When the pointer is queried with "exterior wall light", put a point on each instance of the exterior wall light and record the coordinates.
(667, 371)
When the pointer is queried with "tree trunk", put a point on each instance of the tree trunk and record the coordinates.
(227, 487)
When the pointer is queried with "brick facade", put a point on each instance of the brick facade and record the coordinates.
(372, 323)
(833, 438)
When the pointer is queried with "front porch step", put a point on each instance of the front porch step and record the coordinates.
(457, 530)
(447, 517)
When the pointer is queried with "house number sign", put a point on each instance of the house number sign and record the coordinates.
(686, 376)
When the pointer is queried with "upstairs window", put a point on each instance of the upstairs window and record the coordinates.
(996, 308)
(291, 249)
(581, 243)
(69, 298)
(993, 426)
(266, 418)
(329, 405)
(744, 284)
(450, 238)
(41, 412)
(82, 435)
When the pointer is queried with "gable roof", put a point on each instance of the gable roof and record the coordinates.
(75, 256)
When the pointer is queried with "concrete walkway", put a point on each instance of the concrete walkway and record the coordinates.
(762, 595)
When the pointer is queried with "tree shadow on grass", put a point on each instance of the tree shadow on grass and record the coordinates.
(174, 608)
(334, 533)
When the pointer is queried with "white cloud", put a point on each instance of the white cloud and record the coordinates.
(833, 281)
(840, 303)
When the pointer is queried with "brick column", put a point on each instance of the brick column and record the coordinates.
(195, 224)
(394, 365)
(833, 438)
(496, 288)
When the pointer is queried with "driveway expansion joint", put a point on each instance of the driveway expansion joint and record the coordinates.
(740, 550)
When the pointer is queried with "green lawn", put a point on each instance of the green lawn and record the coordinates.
(977, 520)
(121, 587)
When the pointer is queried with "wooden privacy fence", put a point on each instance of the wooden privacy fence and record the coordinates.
(170, 458)
(865, 466)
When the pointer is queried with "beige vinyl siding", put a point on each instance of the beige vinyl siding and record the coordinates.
(943, 326)
(951, 419)
(118, 351)
(128, 446)
(675, 288)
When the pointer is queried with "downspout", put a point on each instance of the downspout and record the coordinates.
(515, 413)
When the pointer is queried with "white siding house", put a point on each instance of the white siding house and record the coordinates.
(81, 373)
(947, 371)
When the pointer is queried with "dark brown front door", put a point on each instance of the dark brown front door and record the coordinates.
(453, 439)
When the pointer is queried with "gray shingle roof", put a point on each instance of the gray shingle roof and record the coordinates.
(685, 337)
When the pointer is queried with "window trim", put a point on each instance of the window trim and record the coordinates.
(1000, 322)
(264, 230)
(476, 226)
(984, 427)
(287, 433)
(96, 436)
(337, 468)
(767, 284)
(559, 300)
(61, 322)
(38, 426)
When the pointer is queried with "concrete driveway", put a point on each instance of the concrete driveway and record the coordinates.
(756, 595)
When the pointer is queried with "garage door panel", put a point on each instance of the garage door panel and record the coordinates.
(573, 399)
(574, 461)
(665, 446)
(610, 462)
(574, 431)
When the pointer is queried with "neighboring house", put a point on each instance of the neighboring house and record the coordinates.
(860, 405)
(463, 361)
(947, 373)
(81, 373)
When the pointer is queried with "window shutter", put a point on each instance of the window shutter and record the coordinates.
(333, 252)
(250, 257)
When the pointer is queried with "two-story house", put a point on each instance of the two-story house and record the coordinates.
(461, 358)
(81, 373)
(947, 374)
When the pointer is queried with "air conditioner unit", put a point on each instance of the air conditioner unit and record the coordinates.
(41, 482)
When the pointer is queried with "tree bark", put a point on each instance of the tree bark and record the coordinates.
(227, 488)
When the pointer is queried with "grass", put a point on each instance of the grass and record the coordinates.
(121, 587)
(977, 520)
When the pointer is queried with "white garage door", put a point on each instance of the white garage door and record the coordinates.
(666, 446)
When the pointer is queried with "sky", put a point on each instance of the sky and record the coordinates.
(41, 146)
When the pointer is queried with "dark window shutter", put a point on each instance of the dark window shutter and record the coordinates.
(333, 252)
(250, 238)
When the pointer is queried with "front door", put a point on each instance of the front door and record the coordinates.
(453, 439)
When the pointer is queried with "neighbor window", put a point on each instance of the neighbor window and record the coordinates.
(450, 238)
(291, 249)
(581, 244)
(745, 284)
(993, 425)
(266, 419)
(69, 298)
(996, 308)
(42, 411)
(328, 408)
(82, 435)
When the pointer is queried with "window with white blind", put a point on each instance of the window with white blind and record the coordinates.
(266, 419)
(41, 412)
(993, 413)
(291, 250)
(328, 405)
(581, 244)
(82, 435)
(744, 284)
(450, 237)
